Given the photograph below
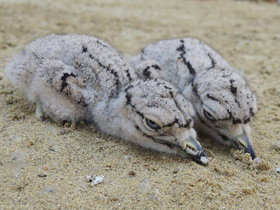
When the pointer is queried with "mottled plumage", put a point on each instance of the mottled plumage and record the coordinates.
(222, 99)
(77, 77)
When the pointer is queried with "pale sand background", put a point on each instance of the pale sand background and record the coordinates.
(247, 34)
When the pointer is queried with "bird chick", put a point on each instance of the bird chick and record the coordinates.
(77, 77)
(223, 102)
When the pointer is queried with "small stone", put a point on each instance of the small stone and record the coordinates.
(176, 171)
(95, 180)
(46, 168)
(132, 173)
(51, 149)
(30, 143)
(277, 170)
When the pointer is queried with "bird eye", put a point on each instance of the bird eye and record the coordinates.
(209, 116)
(152, 124)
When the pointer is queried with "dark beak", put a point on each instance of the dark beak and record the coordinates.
(242, 142)
(194, 150)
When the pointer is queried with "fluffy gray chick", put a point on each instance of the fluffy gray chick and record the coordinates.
(222, 99)
(77, 77)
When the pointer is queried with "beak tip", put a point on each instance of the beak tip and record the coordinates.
(204, 160)
(243, 142)
(251, 152)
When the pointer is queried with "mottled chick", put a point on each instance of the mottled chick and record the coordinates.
(77, 77)
(222, 99)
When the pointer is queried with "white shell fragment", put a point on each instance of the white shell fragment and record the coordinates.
(277, 170)
(95, 180)
(204, 160)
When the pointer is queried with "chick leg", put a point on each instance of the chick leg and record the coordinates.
(59, 92)
(39, 110)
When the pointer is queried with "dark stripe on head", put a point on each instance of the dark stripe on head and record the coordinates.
(237, 102)
(128, 75)
(156, 67)
(232, 88)
(128, 99)
(64, 83)
(247, 120)
(84, 49)
(166, 87)
(194, 88)
(155, 140)
(234, 121)
(128, 96)
(176, 104)
(141, 114)
(182, 51)
(212, 98)
(100, 42)
(36, 56)
(112, 71)
(146, 72)
(251, 112)
(172, 123)
(191, 69)
(213, 62)
(224, 138)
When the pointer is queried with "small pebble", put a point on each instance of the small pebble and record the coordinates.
(46, 168)
(132, 173)
(95, 180)
(176, 171)
(30, 143)
(277, 170)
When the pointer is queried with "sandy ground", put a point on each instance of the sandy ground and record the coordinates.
(44, 165)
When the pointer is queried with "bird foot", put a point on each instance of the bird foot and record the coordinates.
(39, 111)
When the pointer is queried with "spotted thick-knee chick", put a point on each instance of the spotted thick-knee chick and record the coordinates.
(77, 77)
(221, 97)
